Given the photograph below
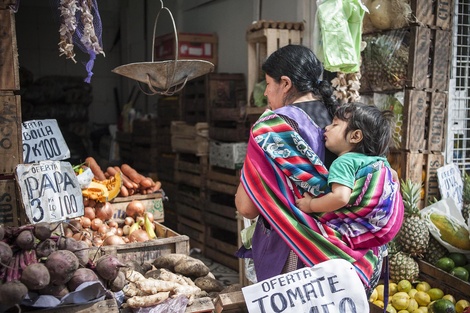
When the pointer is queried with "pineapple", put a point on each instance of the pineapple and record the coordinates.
(435, 251)
(466, 197)
(403, 266)
(413, 236)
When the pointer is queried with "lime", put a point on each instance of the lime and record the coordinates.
(404, 285)
(422, 298)
(442, 306)
(449, 297)
(423, 286)
(379, 303)
(460, 272)
(461, 305)
(459, 258)
(380, 292)
(374, 295)
(445, 264)
(435, 293)
(467, 266)
(400, 300)
(413, 305)
(412, 292)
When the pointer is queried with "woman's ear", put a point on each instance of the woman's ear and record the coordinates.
(356, 136)
(286, 83)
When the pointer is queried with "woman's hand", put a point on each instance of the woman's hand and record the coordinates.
(244, 205)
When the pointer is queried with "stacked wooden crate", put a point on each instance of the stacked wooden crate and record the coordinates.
(11, 151)
(229, 128)
(424, 81)
(191, 145)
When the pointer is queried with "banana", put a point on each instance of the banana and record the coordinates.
(451, 231)
(149, 228)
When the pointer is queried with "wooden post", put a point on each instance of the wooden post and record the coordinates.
(11, 153)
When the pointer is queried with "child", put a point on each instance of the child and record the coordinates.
(360, 135)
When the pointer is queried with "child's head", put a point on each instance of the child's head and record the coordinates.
(375, 126)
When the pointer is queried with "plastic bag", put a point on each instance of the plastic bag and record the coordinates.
(172, 305)
(445, 215)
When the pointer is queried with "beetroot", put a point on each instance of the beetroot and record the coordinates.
(35, 276)
(82, 275)
(67, 243)
(108, 267)
(46, 247)
(25, 240)
(12, 293)
(5, 253)
(119, 282)
(42, 230)
(82, 252)
(57, 291)
(61, 265)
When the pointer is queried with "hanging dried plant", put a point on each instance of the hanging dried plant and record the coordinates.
(346, 87)
(68, 9)
(89, 39)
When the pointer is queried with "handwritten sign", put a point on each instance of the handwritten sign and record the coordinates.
(450, 183)
(43, 140)
(329, 287)
(50, 191)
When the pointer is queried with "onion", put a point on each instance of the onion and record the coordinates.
(113, 240)
(129, 220)
(113, 224)
(138, 235)
(89, 212)
(104, 211)
(135, 208)
(85, 221)
(96, 223)
(125, 230)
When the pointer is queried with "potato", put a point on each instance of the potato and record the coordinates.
(209, 284)
(191, 267)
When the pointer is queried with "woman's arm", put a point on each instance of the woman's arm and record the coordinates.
(244, 205)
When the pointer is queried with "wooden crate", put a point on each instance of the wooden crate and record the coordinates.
(153, 203)
(420, 168)
(124, 142)
(433, 13)
(169, 109)
(11, 211)
(11, 152)
(168, 242)
(165, 167)
(229, 131)
(191, 170)
(264, 40)
(225, 90)
(422, 55)
(423, 128)
(8, 50)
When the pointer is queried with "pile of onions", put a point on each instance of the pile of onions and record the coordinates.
(135, 208)
(138, 235)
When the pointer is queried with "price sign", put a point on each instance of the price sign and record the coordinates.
(43, 140)
(450, 183)
(332, 286)
(50, 191)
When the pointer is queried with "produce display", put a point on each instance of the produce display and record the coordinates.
(420, 297)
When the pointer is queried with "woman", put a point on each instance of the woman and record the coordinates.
(281, 154)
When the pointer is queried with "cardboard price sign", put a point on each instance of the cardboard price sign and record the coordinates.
(50, 191)
(332, 286)
(43, 140)
(450, 183)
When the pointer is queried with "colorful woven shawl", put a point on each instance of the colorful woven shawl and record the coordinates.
(278, 167)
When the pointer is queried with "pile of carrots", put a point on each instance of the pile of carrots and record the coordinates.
(132, 181)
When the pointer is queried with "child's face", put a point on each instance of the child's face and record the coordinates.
(335, 139)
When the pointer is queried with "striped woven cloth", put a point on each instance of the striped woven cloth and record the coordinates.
(279, 166)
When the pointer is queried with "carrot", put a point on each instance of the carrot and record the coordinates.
(95, 168)
(147, 182)
(132, 173)
(125, 180)
(124, 192)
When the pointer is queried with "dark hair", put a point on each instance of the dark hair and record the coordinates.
(300, 64)
(376, 125)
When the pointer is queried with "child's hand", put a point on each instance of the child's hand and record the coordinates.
(304, 203)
